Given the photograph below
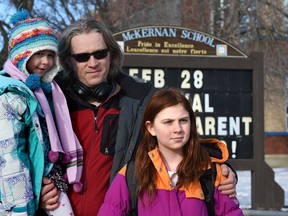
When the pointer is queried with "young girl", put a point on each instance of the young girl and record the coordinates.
(169, 163)
(36, 138)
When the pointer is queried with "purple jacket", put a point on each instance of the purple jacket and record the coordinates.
(168, 200)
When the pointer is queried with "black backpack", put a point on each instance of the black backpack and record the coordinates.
(207, 183)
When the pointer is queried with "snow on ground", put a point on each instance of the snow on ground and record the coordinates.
(244, 186)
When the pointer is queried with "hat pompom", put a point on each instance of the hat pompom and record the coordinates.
(20, 15)
(77, 187)
(46, 87)
(58, 157)
(33, 81)
(65, 158)
(53, 156)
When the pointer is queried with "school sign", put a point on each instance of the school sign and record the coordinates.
(221, 98)
(225, 87)
(160, 40)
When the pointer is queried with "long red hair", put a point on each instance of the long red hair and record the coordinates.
(195, 159)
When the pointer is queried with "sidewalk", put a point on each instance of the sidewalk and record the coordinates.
(264, 213)
(244, 192)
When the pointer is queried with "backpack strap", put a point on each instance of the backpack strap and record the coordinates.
(132, 184)
(207, 183)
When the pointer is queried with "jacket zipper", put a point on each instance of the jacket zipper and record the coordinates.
(94, 113)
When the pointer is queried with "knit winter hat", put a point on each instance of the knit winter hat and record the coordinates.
(28, 36)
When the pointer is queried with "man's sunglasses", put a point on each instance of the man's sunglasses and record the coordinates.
(84, 57)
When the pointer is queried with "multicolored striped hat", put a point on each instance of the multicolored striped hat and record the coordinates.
(28, 36)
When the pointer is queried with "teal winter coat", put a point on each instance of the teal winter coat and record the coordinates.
(23, 146)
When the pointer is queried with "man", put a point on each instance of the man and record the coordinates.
(106, 109)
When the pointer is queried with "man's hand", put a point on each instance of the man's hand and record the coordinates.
(228, 186)
(49, 195)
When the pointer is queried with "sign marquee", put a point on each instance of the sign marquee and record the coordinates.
(214, 93)
(164, 40)
(221, 102)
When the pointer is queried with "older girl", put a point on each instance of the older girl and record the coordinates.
(169, 163)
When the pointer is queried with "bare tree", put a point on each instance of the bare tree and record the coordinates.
(259, 25)
(5, 25)
(59, 13)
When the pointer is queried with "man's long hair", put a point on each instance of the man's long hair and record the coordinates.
(86, 26)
